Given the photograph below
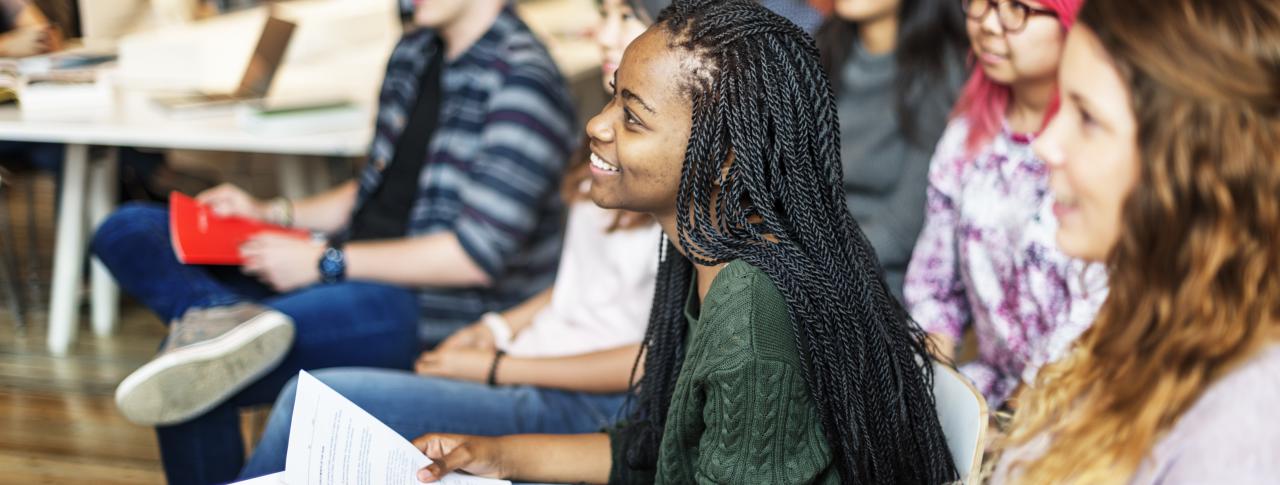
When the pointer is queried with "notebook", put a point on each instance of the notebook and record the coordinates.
(201, 237)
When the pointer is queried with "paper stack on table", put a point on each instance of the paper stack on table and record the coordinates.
(75, 95)
(288, 117)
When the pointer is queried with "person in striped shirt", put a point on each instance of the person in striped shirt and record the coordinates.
(455, 214)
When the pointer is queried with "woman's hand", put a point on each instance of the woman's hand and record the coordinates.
(26, 41)
(228, 200)
(284, 263)
(476, 336)
(462, 364)
(477, 455)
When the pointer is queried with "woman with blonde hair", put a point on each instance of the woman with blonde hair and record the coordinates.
(1165, 165)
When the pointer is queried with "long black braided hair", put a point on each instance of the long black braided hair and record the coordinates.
(762, 103)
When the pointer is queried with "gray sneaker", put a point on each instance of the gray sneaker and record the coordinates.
(211, 353)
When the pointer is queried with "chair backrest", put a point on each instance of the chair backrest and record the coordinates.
(963, 414)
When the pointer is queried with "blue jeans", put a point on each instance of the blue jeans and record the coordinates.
(346, 324)
(413, 405)
(41, 156)
(136, 167)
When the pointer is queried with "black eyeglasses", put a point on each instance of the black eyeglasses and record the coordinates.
(1012, 14)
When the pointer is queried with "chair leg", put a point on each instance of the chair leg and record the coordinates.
(34, 255)
(11, 298)
(8, 261)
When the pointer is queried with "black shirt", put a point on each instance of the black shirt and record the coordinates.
(385, 215)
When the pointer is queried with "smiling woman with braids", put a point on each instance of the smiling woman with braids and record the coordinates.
(775, 352)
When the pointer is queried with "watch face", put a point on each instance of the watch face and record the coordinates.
(332, 264)
(329, 266)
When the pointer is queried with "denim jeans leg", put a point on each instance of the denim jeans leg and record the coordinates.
(346, 324)
(205, 450)
(133, 243)
(413, 405)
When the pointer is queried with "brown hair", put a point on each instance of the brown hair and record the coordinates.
(1194, 290)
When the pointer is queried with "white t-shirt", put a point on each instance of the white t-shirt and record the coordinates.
(603, 290)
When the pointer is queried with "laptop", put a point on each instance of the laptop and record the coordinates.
(255, 83)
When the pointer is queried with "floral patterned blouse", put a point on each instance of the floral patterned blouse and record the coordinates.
(987, 257)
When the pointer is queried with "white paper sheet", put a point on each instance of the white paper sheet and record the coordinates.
(334, 442)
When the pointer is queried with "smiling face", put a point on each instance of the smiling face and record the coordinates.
(438, 13)
(859, 11)
(638, 141)
(1030, 55)
(618, 27)
(1091, 149)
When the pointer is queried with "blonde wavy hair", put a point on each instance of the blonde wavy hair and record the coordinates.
(1194, 283)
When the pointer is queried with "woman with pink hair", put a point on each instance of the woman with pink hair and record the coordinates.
(986, 257)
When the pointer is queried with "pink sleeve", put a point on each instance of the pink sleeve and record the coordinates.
(934, 291)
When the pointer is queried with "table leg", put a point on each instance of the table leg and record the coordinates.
(102, 200)
(68, 251)
(293, 181)
(319, 175)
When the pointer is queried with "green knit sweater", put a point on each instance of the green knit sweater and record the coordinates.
(741, 411)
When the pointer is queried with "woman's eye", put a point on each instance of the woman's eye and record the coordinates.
(628, 118)
(1086, 119)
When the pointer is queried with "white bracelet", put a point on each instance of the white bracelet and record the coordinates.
(500, 329)
(282, 211)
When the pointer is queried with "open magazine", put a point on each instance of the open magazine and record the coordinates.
(334, 442)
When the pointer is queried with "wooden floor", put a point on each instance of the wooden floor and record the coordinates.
(58, 422)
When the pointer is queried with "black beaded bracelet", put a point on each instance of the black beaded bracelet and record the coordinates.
(493, 369)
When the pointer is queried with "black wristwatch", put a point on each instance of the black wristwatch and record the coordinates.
(333, 264)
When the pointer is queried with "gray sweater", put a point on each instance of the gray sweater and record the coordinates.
(885, 174)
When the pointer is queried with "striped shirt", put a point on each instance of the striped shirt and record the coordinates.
(493, 167)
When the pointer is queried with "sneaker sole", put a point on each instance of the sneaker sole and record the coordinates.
(188, 382)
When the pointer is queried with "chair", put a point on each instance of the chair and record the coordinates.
(962, 412)
(8, 270)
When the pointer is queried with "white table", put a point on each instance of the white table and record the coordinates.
(89, 186)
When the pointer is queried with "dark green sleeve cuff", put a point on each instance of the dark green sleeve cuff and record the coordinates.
(615, 451)
(619, 472)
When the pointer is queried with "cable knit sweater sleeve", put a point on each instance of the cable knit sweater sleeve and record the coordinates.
(761, 427)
